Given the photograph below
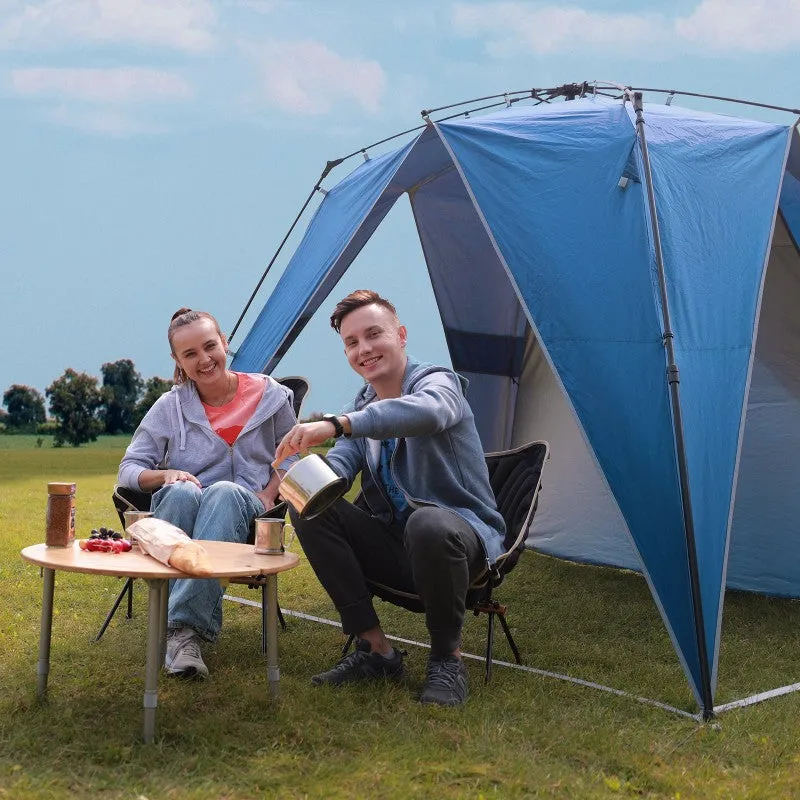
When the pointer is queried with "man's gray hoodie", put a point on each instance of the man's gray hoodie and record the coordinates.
(439, 459)
(175, 434)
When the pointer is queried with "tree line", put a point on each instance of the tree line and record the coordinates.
(81, 407)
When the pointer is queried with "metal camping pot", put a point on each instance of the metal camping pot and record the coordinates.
(311, 485)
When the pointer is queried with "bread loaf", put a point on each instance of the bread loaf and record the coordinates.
(191, 558)
(170, 545)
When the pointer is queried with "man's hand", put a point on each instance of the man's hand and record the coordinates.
(301, 437)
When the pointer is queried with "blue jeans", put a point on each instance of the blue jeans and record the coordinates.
(222, 513)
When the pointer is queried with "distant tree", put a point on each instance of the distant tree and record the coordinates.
(74, 402)
(122, 385)
(25, 408)
(153, 389)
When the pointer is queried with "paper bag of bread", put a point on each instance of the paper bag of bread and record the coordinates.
(170, 545)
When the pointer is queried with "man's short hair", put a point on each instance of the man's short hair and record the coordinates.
(357, 299)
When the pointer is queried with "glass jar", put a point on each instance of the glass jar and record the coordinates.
(60, 518)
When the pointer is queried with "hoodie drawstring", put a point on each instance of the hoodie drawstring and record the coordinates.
(181, 426)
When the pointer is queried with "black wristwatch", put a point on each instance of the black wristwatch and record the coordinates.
(338, 430)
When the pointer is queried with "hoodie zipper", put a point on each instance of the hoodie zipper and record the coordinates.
(413, 502)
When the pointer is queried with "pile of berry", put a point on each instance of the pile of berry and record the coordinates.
(105, 540)
(105, 533)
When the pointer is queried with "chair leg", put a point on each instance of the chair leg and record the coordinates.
(492, 608)
(512, 644)
(129, 614)
(128, 587)
(489, 646)
(347, 644)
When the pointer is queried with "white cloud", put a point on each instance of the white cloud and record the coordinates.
(513, 28)
(107, 122)
(121, 85)
(756, 26)
(183, 25)
(414, 21)
(259, 6)
(307, 77)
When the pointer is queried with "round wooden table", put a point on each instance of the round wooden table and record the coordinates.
(229, 560)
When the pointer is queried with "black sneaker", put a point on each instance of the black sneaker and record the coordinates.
(363, 664)
(445, 681)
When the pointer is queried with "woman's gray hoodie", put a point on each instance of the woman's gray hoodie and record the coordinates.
(175, 434)
(439, 458)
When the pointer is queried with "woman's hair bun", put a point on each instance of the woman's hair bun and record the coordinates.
(180, 312)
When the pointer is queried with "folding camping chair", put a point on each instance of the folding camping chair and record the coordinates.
(137, 500)
(516, 477)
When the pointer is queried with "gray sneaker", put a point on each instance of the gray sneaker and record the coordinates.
(183, 654)
(363, 664)
(445, 682)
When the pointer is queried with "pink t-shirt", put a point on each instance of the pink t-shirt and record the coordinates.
(227, 421)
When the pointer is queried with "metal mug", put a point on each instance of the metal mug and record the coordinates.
(134, 516)
(311, 485)
(270, 535)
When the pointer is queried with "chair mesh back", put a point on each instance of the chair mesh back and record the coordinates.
(514, 477)
(299, 387)
(130, 500)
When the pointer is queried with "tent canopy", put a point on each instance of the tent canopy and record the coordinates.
(535, 227)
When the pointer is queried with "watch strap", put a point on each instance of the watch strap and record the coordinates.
(338, 430)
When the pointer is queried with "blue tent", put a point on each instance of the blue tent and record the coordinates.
(537, 232)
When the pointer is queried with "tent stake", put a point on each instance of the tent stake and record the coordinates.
(673, 379)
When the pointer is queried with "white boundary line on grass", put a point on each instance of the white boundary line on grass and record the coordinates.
(757, 698)
(521, 667)
(745, 701)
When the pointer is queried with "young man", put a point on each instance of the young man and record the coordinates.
(426, 522)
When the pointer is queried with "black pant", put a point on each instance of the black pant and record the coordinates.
(435, 555)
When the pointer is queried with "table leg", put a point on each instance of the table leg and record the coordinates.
(153, 665)
(43, 666)
(163, 609)
(273, 673)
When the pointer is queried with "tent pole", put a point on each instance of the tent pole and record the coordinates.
(677, 424)
(328, 167)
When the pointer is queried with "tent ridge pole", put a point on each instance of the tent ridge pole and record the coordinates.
(673, 379)
(673, 92)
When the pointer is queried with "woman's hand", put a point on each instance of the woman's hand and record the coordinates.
(301, 437)
(179, 475)
(152, 479)
(269, 494)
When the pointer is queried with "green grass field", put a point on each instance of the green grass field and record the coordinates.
(524, 735)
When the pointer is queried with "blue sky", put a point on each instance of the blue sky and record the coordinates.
(154, 152)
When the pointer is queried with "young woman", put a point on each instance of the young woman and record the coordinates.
(205, 450)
